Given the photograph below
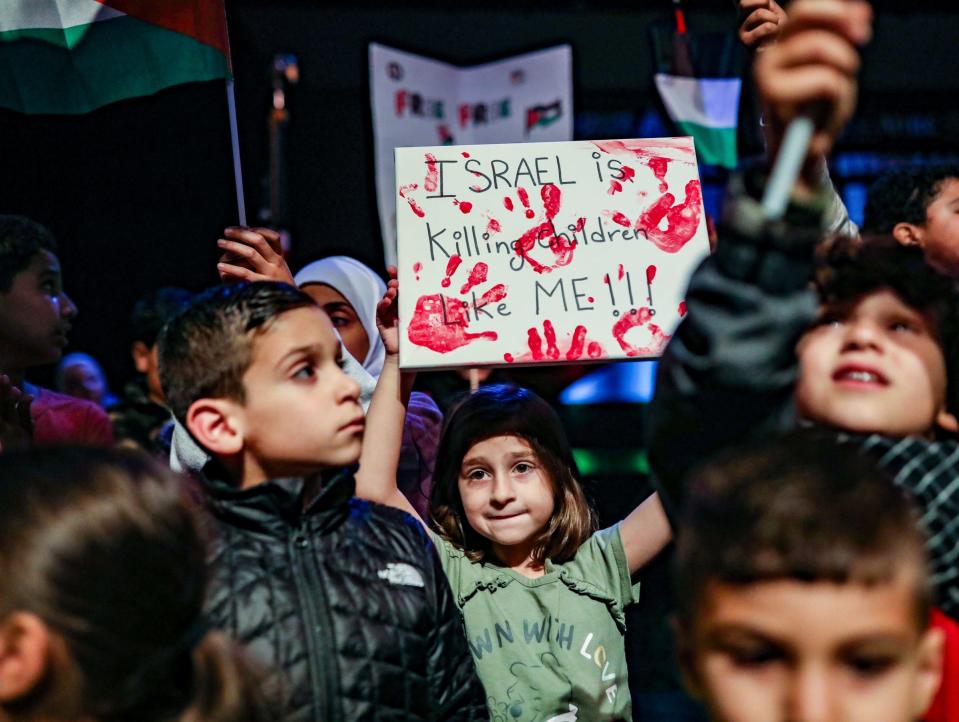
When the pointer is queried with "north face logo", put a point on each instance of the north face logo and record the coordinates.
(403, 574)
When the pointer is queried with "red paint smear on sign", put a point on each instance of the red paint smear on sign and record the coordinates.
(650, 273)
(621, 219)
(634, 319)
(659, 166)
(508, 202)
(681, 220)
(431, 182)
(451, 267)
(524, 199)
(682, 309)
(628, 174)
(576, 347)
(413, 205)
(465, 154)
(621, 272)
(535, 343)
(476, 277)
(645, 148)
(508, 358)
(550, 333)
(417, 267)
(493, 226)
(615, 187)
(440, 324)
(594, 350)
(464, 206)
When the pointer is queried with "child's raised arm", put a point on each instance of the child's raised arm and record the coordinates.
(383, 438)
(645, 532)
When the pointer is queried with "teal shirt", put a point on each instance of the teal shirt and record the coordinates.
(549, 649)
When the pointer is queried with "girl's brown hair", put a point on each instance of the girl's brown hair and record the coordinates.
(104, 549)
(510, 411)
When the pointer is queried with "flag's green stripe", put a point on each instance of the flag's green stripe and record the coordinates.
(61, 37)
(117, 59)
(715, 146)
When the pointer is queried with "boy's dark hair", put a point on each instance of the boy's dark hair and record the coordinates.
(206, 348)
(801, 507)
(506, 410)
(851, 268)
(20, 240)
(153, 310)
(903, 196)
(107, 553)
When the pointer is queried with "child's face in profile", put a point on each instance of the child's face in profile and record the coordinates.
(873, 365)
(507, 494)
(939, 235)
(35, 315)
(301, 411)
(792, 651)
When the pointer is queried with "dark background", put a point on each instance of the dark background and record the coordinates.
(137, 192)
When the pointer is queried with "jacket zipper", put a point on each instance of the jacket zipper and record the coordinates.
(319, 626)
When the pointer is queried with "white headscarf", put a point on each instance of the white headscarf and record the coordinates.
(363, 289)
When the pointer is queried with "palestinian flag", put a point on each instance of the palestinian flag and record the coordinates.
(72, 56)
(698, 76)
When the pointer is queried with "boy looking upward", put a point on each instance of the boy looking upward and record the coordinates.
(803, 589)
(342, 599)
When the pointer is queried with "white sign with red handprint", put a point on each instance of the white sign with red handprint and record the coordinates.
(545, 252)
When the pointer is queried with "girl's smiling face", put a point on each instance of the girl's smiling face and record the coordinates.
(507, 495)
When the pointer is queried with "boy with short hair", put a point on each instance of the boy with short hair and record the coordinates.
(920, 207)
(344, 599)
(803, 589)
(35, 317)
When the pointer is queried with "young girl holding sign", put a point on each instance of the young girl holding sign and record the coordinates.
(541, 593)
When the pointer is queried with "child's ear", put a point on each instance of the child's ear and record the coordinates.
(908, 234)
(141, 356)
(24, 655)
(217, 424)
(929, 672)
(947, 422)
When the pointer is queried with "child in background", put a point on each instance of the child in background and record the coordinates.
(100, 608)
(343, 600)
(803, 589)
(81, 376)
(541, 592)
(920, 207)
(35, 317)
(141, 417)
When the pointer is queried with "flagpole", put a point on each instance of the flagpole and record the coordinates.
(235, 142)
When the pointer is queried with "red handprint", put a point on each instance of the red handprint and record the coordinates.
(561, 246)
(638, 317)
(574, 350)
(440, 322)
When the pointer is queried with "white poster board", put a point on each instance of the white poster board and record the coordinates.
(545, 252)
(418, 101)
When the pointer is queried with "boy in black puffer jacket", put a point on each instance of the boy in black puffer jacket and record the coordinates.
(342, 599)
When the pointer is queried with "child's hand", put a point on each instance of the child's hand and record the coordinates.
(16, 424)
(252, 254)
(760, 22)
(813, 67)
(387, 315)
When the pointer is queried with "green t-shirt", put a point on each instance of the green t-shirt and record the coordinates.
(549, 649)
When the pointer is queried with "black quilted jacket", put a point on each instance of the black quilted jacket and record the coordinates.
(344, 602)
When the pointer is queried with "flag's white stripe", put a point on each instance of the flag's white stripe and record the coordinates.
(712, 102)
(37, 14)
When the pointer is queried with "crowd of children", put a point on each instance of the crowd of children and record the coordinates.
(328, 546)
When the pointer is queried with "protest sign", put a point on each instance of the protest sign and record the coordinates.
(545, 252)
(418, 101)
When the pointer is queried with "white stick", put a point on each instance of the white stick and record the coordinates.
(789, 162)
(235, 139)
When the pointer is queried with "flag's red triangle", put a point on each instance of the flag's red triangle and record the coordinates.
(204, 20)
